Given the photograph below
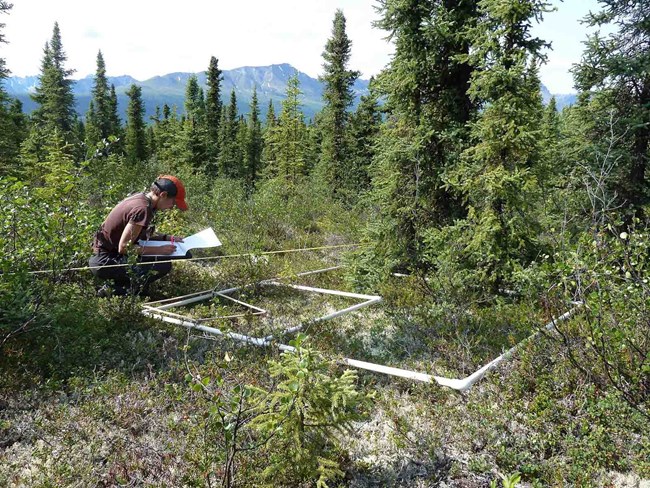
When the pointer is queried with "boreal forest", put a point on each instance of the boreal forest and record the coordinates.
(481, 312)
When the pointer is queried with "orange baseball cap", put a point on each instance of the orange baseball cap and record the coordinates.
(174, 188)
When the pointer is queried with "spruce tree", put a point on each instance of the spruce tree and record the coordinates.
(136, 145)
(364, 128)
(427, 110)
(92, 133)
(241, 148)
(268, 149)
(55, 111)
(288, 139)
(5, 7)
(213, 107)
(497, 173)
(115, 122)
(254, 142)
(270, 115)
(171, 143)
(230, 155)
(195, 123)
(338, 81)
(11, 129)
(550, 170)
(101, 97)
(54, 92)
(616, 69)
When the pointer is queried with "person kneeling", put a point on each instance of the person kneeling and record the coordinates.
(129, 222)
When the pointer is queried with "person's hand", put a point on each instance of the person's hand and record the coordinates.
(164, 250)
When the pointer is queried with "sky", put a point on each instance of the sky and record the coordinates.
(145, 38)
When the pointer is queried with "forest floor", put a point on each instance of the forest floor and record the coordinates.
(123, 414)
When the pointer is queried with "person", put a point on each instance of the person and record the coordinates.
(130, 221)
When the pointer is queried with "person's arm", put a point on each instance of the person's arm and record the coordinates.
(166, 237)
(130, 236)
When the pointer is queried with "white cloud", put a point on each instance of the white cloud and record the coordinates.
(144, 38)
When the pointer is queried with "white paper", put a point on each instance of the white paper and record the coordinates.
(203, 239)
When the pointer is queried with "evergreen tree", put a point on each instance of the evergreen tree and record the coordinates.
(195, 123)
(313, 146)
(5, 7)
(364, 128)
(338, 97)
(101, 97)
(213, 108)
(230, 156)
(54, 92)
(194, 102)
(241, 148)
(550, 170)
(428, 108)
(270, 115)
(19, 121)
(288, 139)
(254, 142)
(169, 136)
(617, 69)
(92, 133)
(136, 145)
(268, 149)
(115, 122)
(11, 125)
(498, 171)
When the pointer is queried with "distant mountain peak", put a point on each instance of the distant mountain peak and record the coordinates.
(269, 81)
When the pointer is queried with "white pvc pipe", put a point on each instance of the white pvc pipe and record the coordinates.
(325, 291)
(457, 384)
(210, 330)
(378, 368)
(204, 295)
(461, 385)
(338, 313)
(466, 383)
(261, 310)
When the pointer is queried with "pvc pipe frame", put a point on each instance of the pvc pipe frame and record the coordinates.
(462, 385)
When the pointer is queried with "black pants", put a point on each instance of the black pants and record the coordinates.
(133, 279)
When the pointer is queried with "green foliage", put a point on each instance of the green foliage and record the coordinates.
(335, 148)
(607, 341)
(135, 139)
(195, 128)
(230, 150)
(474, 190)
(287, 140)
(507, 481)
(365, 126)
(303, 413)
(12, 121)
(616, 67)
(102, 113)
(170, 138)
(497, 171)
(54, 93)
(213, 108)
(427, 107)
(253, 143)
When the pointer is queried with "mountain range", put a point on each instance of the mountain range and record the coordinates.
(270, 81)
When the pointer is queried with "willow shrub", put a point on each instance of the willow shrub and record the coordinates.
(609, 339)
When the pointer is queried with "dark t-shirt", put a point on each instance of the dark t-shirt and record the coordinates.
(136, 209)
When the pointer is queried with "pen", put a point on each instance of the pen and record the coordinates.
(172, 240)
